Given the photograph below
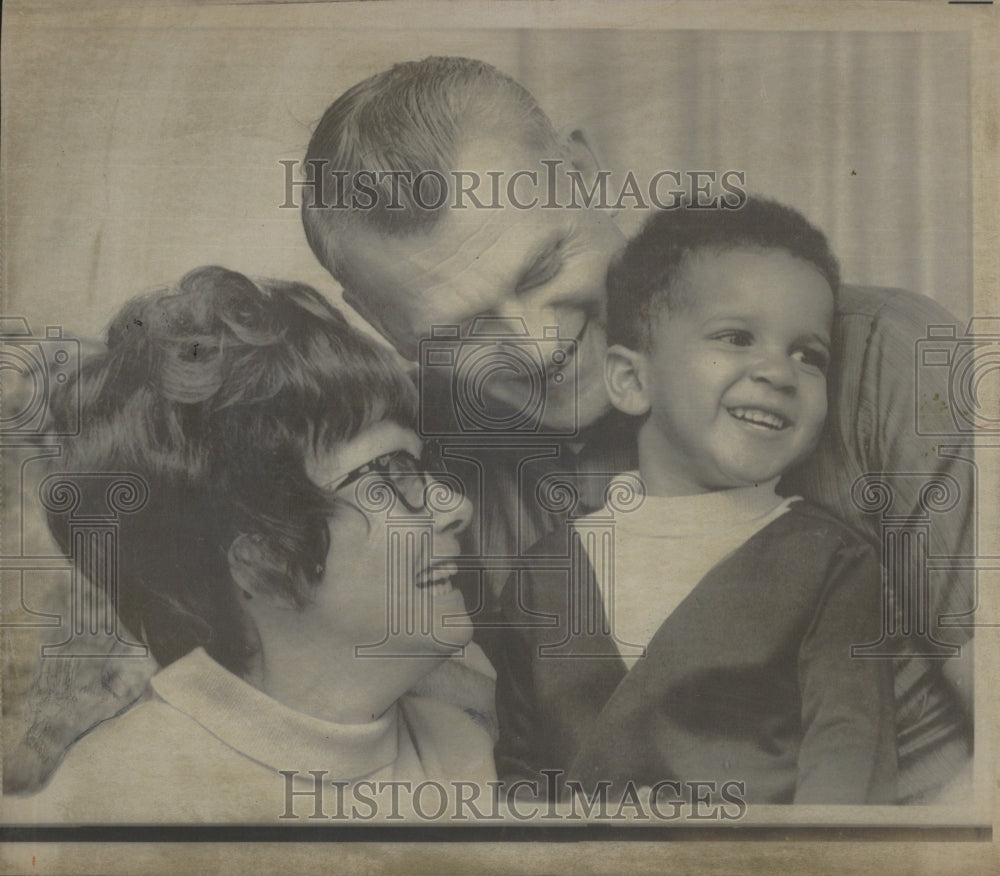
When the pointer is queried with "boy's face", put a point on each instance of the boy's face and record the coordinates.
(736, 375)
(546, 266)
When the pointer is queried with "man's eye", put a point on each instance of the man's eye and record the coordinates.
(736, 337)
(814, 358)
(541, 272)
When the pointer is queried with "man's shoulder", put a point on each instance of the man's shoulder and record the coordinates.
(876, 334)
(889, 306)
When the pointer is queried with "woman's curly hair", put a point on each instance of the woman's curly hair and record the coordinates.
(213, 393)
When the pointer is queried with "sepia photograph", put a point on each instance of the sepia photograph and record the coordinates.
(498, 437)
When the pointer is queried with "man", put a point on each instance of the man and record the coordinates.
(410, 261)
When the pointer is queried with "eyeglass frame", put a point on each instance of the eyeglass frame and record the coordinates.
(429, 463)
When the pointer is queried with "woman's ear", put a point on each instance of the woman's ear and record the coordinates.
(625, 375)
(246, 555)
(250, 560)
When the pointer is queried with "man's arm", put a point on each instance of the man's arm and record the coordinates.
(848, 751)
(890, 421)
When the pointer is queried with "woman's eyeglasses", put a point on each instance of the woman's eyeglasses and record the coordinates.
(404, 473)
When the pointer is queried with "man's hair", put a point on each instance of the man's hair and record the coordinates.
(413, 117)
(648, 275)
(214, 393)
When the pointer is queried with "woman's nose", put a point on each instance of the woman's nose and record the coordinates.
(451, 510)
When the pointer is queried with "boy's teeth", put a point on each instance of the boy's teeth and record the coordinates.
(759, 417)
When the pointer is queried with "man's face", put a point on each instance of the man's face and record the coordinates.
(545, 266)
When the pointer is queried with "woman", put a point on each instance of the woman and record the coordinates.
(290, 569)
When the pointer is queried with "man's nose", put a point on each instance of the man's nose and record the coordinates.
(537, 315)
(451, 510)
(776, 368)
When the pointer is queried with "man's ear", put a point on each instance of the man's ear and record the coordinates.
(581, 151)
(584, 157)
(626, 377)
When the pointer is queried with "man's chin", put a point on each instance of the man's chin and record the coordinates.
(591, 406)
(563, 412)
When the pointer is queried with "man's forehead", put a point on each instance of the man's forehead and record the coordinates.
(488, 246)
(510, 146)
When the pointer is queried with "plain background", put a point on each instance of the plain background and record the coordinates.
(139, 144)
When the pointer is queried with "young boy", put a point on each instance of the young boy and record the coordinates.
(726, 613)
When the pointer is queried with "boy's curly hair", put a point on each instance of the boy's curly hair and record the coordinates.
(645, 277)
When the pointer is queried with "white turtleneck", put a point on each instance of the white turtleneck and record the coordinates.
(207, 747)
(665, 547)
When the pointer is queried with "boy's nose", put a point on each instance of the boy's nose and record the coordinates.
(778, 369)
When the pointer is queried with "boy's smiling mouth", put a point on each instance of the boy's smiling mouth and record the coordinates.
(760, 417)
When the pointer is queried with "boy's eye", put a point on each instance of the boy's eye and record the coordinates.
(814, 358)
(736, 337)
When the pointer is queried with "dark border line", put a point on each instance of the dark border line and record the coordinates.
(477, 833)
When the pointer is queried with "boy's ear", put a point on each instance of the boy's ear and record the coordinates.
(626, 377)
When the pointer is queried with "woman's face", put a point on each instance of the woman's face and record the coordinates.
(386, 587)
